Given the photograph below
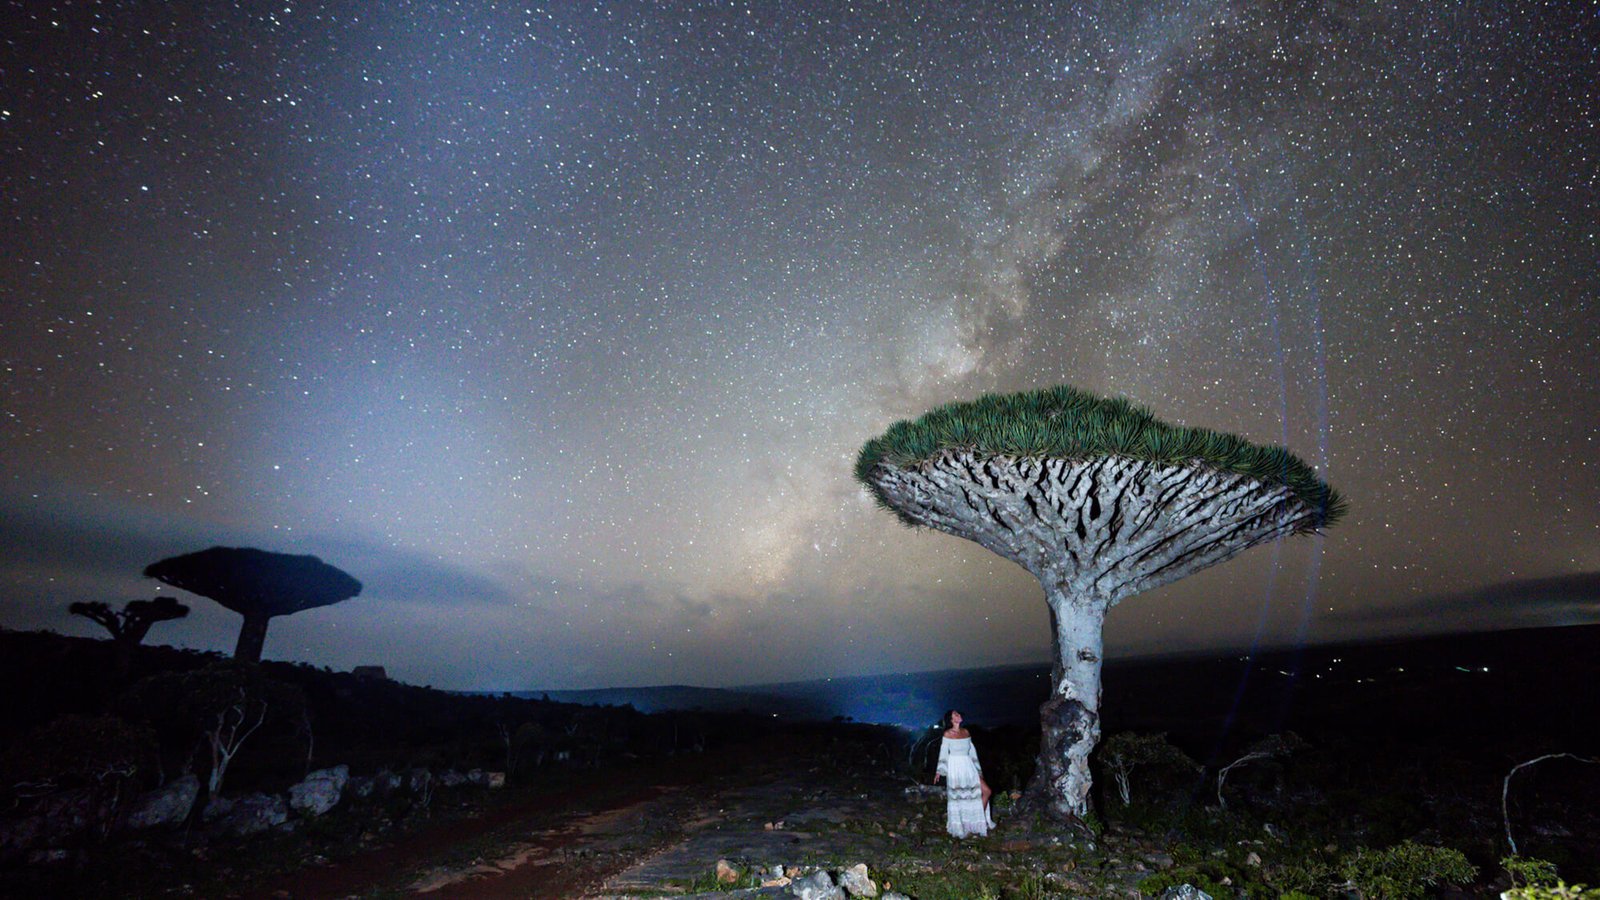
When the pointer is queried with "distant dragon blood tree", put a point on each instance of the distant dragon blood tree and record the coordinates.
(256, 584)
(1099, 500)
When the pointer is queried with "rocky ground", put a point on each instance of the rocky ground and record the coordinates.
(772, 821)
(788, 816)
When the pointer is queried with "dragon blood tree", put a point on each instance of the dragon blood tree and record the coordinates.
(1099, 500)
(256, 584)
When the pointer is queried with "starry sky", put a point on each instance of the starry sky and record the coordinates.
(559, 325)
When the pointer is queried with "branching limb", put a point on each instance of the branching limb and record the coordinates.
(1505, 788)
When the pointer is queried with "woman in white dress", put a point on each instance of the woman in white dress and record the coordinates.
(966, 793)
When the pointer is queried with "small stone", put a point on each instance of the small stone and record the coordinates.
(1184, 892)
(855, 882)
(780, 881)
(816, 886)
(727, 873)
(1252, 859)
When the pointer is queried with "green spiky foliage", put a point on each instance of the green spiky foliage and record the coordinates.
(1066, 423)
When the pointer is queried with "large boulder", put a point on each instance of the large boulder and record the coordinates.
(319, 792)
(247, 815)
(165, 806)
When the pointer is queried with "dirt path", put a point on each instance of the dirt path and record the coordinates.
(559, 844)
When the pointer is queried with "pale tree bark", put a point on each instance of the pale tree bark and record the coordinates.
(1092, 531)
(233, 726)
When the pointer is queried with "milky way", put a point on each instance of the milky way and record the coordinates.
(559, 326)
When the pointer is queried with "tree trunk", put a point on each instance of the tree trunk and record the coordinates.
(1070, 719)
(252, 637)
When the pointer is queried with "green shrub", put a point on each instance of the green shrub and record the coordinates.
(1558, 891)
(1216, 878)
(1312, 876)
(1529, 872)
(1406, 870)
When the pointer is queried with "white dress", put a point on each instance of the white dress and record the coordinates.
(965, 812)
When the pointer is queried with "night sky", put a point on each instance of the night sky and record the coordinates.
(559, 326)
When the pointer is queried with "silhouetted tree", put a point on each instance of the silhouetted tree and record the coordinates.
(256, 584)
(1099, 500)
(1124, 752)
(129, 626)
(221, 706)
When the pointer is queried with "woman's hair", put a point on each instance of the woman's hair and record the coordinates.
(946, 722)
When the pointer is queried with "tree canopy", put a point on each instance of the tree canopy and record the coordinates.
(256, 584)
(1066, 423)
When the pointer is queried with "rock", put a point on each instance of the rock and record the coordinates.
(419, 781)
(216, 808)
(1159, 859)
(386, 782)
(1184, 892)
(167, 805)
(250, 814)
(727, 872)
(816, 886)
(320, 791)
(451, 778)
(486, 779)
(855, 882)
(361, 786)
(1252, 859)
(895, 895)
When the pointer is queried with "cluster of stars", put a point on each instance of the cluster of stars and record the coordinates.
(566, 320)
